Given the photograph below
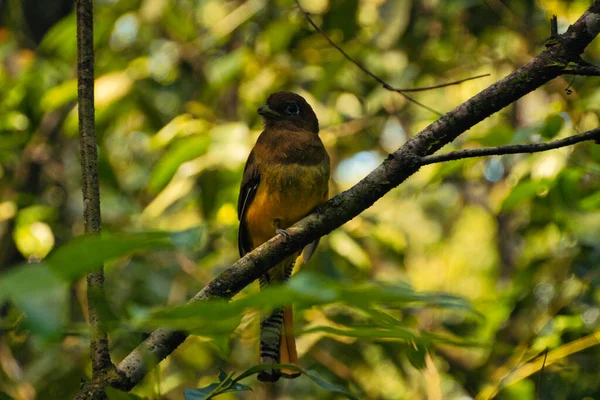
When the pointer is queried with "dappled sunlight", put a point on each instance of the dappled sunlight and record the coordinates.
(448, 287)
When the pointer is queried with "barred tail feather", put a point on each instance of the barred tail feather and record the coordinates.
(270, 341)
(277, 342)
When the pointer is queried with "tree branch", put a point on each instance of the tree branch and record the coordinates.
(512, 149)
(583, 68)
(394, 170)
(89, 173)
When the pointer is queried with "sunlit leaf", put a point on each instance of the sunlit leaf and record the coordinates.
(60, 95)
(524, 191)
(183, 150)
(181, 125)
(111, 87)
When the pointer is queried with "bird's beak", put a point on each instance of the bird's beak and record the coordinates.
(267, 112)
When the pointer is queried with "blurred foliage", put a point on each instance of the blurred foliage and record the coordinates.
(178, 83)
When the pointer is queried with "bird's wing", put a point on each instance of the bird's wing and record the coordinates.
(248, 190)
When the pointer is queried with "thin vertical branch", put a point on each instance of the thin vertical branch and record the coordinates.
(89, 173)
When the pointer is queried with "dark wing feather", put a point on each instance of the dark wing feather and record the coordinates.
(248, 190)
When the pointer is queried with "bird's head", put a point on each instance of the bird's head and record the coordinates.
(289, 108)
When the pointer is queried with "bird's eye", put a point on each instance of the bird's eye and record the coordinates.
(292, 109)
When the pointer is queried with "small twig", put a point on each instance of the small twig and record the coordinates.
(539, 388)
(553, 27)
(378, 79)
(89, 173)
(512, 149)
(441, 85)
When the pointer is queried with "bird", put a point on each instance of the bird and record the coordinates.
(286, 177)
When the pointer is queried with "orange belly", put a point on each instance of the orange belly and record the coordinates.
(286, 194)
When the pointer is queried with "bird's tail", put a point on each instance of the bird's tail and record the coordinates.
(277, 342)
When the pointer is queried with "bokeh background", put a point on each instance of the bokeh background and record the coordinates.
(178, 84)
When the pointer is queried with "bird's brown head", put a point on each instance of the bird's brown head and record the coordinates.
(287, 108)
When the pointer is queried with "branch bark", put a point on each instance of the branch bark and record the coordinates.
(89, 174)
(394, 170)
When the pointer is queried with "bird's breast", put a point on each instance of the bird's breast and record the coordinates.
(286, 193)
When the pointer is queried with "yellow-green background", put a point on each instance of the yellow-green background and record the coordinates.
(178, 83)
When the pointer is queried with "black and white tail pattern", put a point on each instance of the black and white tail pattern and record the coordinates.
(271, 329)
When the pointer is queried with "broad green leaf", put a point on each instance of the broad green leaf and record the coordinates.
(40, 294)
(59, 95)
(416, 355)
(87, 253)
(315, 377)
(204, 393)
(181, 125)
(183, 150)
(524, 191)
(217, 319)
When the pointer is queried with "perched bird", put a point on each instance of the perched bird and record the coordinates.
(286, 178)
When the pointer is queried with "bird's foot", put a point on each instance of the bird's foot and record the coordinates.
(283, 232)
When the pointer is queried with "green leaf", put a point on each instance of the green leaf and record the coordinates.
(114, 394)
(181, 125)
(59, 95)
(552, 125)
(212, 390)
(204, 393)
(524, 191)
(416, 355)
(523, 135)
(4, 396)
(591, 202)
(183, 150)
(85, 254)
(315, 377)
(222, 375)
(217, 318)
(40, 294)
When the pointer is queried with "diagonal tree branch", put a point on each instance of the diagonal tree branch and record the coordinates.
(394, 170)
(583, 68)
(512, 149)
(89, 173)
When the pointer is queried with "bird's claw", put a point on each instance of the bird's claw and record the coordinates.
(283, 232)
